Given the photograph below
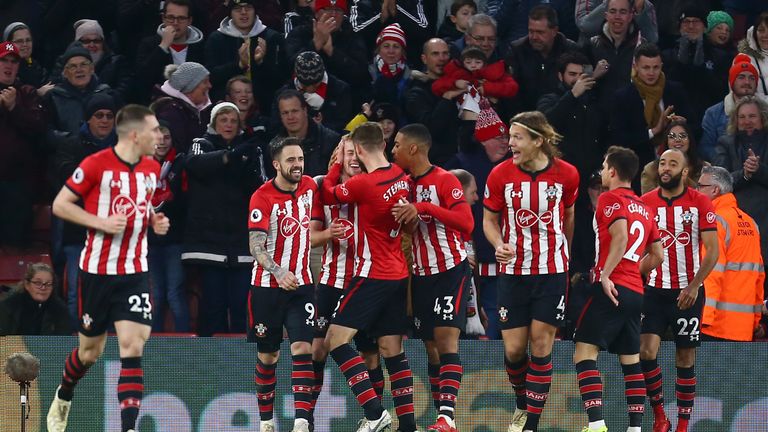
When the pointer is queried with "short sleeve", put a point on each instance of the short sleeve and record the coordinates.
(609, 209)
(707, 216)
(571, 187)
(493, 197)
(317, 205)
(452, 194)
(258, 212)
(85, 177)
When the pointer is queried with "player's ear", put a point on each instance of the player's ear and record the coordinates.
(275, 165)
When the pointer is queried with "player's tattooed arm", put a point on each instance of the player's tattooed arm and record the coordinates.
(257, 242)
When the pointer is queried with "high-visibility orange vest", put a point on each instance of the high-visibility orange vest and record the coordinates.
(734, 288)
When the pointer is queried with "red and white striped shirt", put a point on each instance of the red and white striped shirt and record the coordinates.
(110, 186)
(437, 247)
(285, 217)
(681, 220)
(532, 207)
(339, 253)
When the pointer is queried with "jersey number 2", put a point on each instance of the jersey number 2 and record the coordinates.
(636, 227)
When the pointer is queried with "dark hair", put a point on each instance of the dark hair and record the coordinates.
(130, 116)
(277, 145)
(647, 49)
(184, 3)
(238, 78)
(368, 135)
(418, 133)
(571, 57)
(695, 163)
(458, 4)
(544, 11)
(290, 94)
(465, 177)
(473, 52)
(761, 19)
(624, 161)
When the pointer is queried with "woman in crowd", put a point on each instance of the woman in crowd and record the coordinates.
(33, 308)
(756, 46)
(31, 72)
(678, 136)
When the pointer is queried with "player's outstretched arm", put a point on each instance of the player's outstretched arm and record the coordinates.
(65, 207)
(257, 243)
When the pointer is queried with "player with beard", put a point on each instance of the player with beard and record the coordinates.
(610, 320)
(282, 292)
(674, 293)
(337, 268)
(375, 299)
(439, 218)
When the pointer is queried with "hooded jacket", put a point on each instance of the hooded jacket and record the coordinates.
(185, 120)
(759, 59)
(222, 60)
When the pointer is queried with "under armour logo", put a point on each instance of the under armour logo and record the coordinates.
(513, 194)
(310, 322)
(560, 317)
(116, 184)
(694, 337)
(447, 317)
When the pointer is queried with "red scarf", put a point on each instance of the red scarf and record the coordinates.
(389, 70)
(317, 99)
(178, 47)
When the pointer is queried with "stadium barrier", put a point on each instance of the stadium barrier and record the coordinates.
(206, 384)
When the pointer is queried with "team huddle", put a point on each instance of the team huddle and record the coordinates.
(652, 256)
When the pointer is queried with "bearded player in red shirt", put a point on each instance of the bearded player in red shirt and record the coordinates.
(528, 218)
(610, 319)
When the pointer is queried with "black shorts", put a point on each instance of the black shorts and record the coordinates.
(326, 302)
(375, 306)
(104, 299)
(440, 301)
(660, 311)
(271, 309)
(612, 328)
(522, 299)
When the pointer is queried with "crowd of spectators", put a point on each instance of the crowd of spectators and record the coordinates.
(224, 78)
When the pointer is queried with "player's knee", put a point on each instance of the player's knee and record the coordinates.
(685, 358)
(647, 353)
(300, 348)
(89, 356)
(371, 359)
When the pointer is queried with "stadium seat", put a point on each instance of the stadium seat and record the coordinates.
(12, 267)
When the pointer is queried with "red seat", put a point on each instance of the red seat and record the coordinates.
(13, 267)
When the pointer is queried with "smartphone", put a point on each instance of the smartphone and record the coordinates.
(588, 70)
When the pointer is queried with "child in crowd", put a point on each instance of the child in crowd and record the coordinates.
(455, 26)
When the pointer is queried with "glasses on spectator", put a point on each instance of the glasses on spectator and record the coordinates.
(22, 41)
(622, 12)
(677, 136)
(483, 38)
(96, 41)
(40, 284)
(690, 21)
(101, 115)
(174, 18)
(75, 66)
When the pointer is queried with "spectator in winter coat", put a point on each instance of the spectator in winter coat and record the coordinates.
(175, 42)
(33, 308)
(22, 117)
(223, 170)
(456, 25)
(243, 45)
(719, 31)
(31, 72)
(591, 14)
(742, 81)
(389, 71)
(756, 46)
(183, 102)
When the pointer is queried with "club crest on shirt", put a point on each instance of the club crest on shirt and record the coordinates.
(687, 217)
(149, 186)
(503, 314)
(711, 217)
(87, 321)
(425, 195)
(551, 192)
(289, 226)
(261, 330)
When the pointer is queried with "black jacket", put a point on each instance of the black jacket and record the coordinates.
(33, 73)
(21, 315)
(536, 75)
(628, 125)
(65, 103)
(151, 61)
(318, 145)
(217, 200)
(438, 114)
(601, 47)
(222, 60)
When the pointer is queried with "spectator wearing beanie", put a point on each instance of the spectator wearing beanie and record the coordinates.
(488, 141)
(344, 53)
(96, 133)
(176, 41)
(324, 93)
(22, 117)
(720, 31)
(757, 50)
(243, 45)
(390, 73)
(696, 63)
(31, 72)
(183, 102)
(223, 168)
(743, 79)
(67, 100)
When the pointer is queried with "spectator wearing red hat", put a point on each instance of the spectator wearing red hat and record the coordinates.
(742, 81)
(243, 45)
(389, 70)
(755, 45)
(330, 34)
(696, 63)
(21, 120)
